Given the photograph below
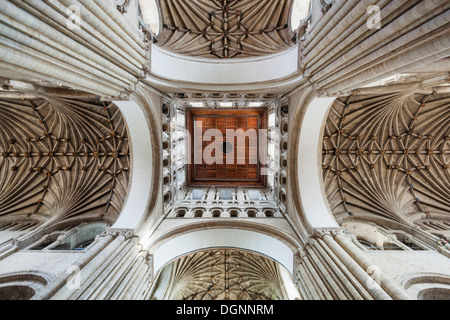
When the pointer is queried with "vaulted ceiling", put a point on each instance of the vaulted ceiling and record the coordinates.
(61, 158)
(224, 274)
(388, 155)
(225, 28)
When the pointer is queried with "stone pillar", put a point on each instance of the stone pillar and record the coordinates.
(114, 268)
(393, 289)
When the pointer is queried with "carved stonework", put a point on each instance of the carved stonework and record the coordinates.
(225, 275)
(122, 5)
(127, 233)
(61, 158)
(225, 29)
(326, 5)
(319, 233)
(388, 155)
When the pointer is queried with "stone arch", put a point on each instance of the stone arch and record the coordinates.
(263, 239)
(166, 162)
(166, 180)
(216, 212)
(224, 274)
(434, 294)
(283, 179)
(198, 212)
(167, 197)
(282, 196)
(283, 162)
(181, 212)
(284, 127)
(306, 191)
(430, 286)
(166, 109)
(166, 145)
(144, 133)
(234, 212)
(283, 145)
(22, 285)
(251, 212)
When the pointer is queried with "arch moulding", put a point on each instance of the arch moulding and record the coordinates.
(142, 114)
(263, 239)
(307, 202)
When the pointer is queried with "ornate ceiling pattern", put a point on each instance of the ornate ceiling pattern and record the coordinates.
(225, 275)
(226, 28)
(60, 158)
(388, 155)
(241, 164)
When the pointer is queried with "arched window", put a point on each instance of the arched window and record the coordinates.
(150, 14)
(216, 213)
(427, 286)
(269, 213)
(22, 286)
(434, 294)
(16, 292)
(166, 180)
(72, 238)
(234, 213)
(300, 10)
(251, 213)
(181, 213)
(198, 213)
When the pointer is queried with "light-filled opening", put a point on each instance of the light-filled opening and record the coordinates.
(150, 14)
(300, 10)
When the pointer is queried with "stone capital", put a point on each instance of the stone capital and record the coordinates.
(320, 232)
(127, 233)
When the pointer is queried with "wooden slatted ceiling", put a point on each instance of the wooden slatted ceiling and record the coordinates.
(239, 167)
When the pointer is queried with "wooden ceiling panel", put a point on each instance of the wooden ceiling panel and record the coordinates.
(232, 161)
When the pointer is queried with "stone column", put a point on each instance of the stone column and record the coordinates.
(393, 289)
